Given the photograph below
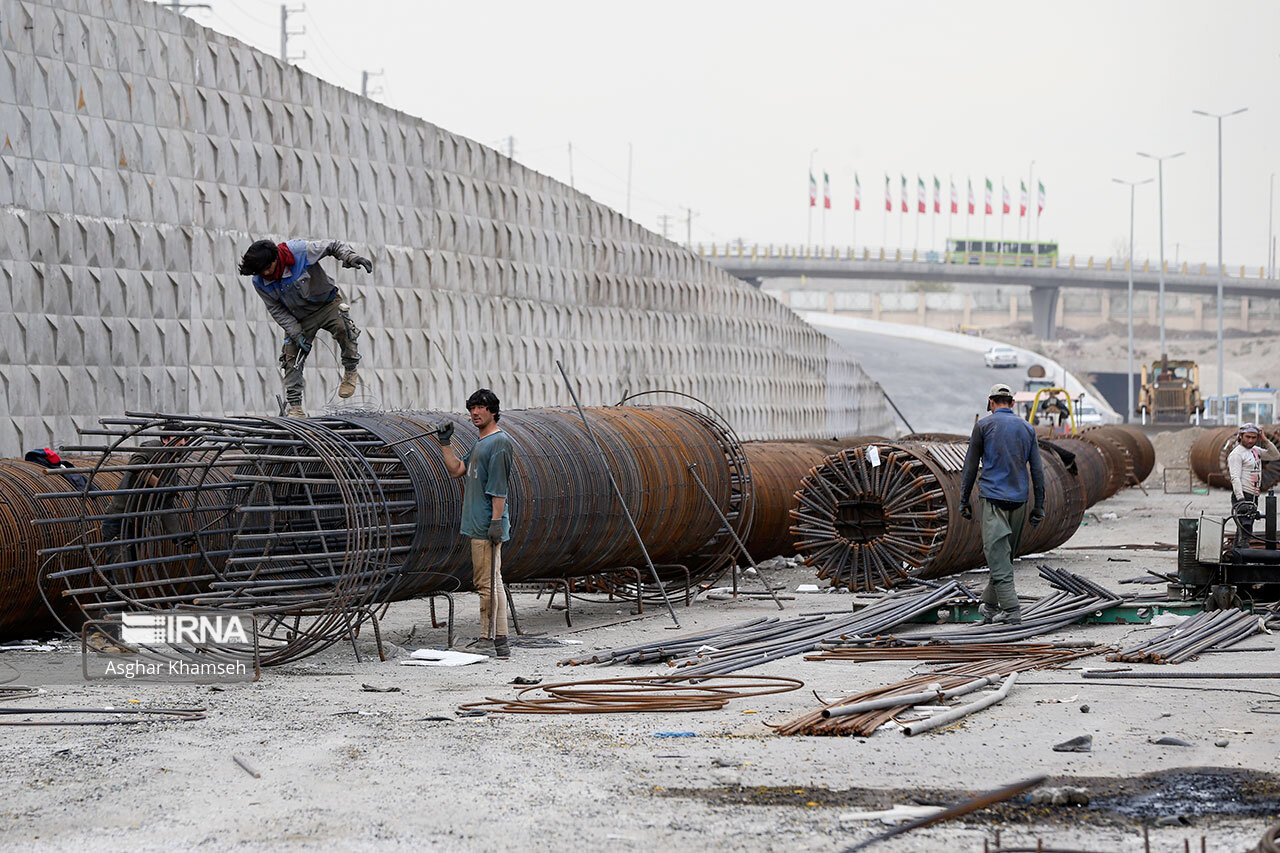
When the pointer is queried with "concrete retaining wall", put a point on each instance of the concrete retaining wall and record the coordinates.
(140, 153)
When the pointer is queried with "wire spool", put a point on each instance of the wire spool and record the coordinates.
(1091, 467)
(777, 467)
(24, 613)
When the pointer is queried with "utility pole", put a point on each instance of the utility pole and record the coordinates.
(285, 32)
(1160, 173)
(1133, 190)
(665, 221)
(1222, 391)
(688, 227)
(365, 91)
(511, 148)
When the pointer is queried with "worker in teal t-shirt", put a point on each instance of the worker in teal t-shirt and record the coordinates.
(484, 509)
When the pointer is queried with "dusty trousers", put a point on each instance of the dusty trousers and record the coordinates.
(480, 569)
(1001, 530)
(331, 320)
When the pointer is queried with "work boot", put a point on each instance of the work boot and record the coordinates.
(1008, 617)
(989, 613)
(348, 386)
(295, 410)
(501, 648)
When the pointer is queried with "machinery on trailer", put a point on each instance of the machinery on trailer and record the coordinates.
(1212, 566)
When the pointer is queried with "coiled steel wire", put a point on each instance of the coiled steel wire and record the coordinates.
(1208, 457)
(777, 467)
(872, 518)
(643, 694)
(315, 523)
(23, 610)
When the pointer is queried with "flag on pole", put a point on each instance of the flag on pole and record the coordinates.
(921, 201)
(813, 191)
(1041, 210)
(937, 195)
(971, 204)
(955, 197)
(826, 191)
(905, 208)
(888, 194)
(1022, 203)
(857, 192)
(1004, 196)
(989, 191)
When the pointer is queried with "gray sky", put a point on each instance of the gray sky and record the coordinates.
(723, 102)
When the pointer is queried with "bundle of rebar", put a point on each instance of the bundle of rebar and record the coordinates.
(642, 694)
(762, 640)
(1209, 630)
(932, 653)
(1208, 457)
(1045, 615)
(314, 523)
(914, 690)
(875, 515)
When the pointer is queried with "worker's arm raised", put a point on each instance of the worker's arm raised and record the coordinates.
(444, 436)
(1267, 451)
(317, 249)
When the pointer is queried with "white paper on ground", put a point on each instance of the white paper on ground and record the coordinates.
(897, 814)
(873, 456)
(441, 657)
(807, 587)
(1168, 620)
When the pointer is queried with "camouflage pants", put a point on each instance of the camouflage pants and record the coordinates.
(331, 320)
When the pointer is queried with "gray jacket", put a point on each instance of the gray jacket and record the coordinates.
(305, 287)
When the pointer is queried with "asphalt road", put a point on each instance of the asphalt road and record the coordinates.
(938, 388)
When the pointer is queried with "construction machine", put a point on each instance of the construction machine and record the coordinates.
(1170, 392)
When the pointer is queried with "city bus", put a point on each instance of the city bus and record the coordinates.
(1002, 253)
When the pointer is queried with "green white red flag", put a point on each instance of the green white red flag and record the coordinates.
(826, 191)
(905, 208)
(1004, 196)
(1022, 202)
(1041, 209)
(921, 201)
(857, 192)
(813, 191)
(989, 191)
(937, 195)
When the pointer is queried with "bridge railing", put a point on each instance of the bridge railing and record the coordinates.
(770, 251)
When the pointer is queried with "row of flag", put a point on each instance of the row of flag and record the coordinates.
(922, 205)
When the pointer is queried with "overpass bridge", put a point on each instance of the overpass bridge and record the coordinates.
(755, 264)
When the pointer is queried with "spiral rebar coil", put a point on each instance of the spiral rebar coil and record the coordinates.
(23, 611)
(314, 523)
(867, 520)
(1209, 454)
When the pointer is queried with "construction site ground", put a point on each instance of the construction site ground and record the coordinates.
(348, 769)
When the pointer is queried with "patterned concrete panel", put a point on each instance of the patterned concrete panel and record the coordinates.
(140, 154)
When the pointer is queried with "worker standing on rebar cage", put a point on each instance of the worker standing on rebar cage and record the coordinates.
(484, 510)
(1006, 446)
(303, 299)
(1244, 464)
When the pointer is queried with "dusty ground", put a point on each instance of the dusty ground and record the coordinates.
(387, 779)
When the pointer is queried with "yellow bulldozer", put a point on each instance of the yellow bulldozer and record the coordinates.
(1170, 392)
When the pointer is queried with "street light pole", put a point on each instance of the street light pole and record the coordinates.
(1222, 391)
(1160, 172)
(1133, 189)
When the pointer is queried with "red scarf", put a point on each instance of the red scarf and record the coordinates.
(284, 261)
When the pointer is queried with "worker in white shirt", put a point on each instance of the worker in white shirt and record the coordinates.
(1244, 464)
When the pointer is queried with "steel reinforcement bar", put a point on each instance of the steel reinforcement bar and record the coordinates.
(315, 523)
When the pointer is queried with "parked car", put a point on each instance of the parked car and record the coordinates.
(1087, 415)
(1001, 356)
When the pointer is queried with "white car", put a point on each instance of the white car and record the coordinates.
(1087, 415)
(1001, 356)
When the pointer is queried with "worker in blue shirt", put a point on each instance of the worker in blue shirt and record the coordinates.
(1006, 446)
(485, 519)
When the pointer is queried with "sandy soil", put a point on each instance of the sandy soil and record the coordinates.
(387, 779)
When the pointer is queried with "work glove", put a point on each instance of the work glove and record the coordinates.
(444, 433)
(303, 345)
(357, 261)
(966, 511)
(1037, 516)
(495, 531)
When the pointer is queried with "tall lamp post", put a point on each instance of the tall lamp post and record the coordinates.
(1160, 173)
(1222, 390)
(1133, 189)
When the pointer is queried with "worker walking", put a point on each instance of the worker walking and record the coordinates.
(485, 521)
(303, 299)
(1244, 464)
(1006, 446)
